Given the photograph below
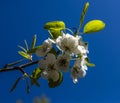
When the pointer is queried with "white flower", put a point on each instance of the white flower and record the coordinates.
(46, 47)
(49, 67)
(63, 62)
(82, 46)
(80, 50)
(43, 64)
(44, 74)
(51, 59)
(76, 73)
(52, 74)
(79, 69)
(48, 63)
(81, 62)
(67, 43)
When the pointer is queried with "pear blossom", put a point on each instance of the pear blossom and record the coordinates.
(46, 47)
(67, 43)
(49, 67)
(63, 62)
(81, 62)
(76, 73)
(51, 59)
(82, 46)
(78, 70)
(45, 74)
(43, 64)
(80, 50)
(54, 75)
(71, 46)
(48, 63)
(50, 74)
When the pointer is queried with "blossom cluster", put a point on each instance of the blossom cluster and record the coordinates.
(70, 48)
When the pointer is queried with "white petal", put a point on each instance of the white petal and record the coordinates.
(49, 41)
(54, 75)
(44, 74)
(67, 43)
(77, 63)
(40, 52)
(51, 59)
(82, 73)
(75, 80)
(42, 64)
(63, 62)
(80, 50)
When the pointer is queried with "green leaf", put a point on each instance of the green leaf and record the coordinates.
(94, 26)
(55, 28)
(25, 55)
(54, 33)
(82, 17)
(15, 84)
(33, 42)
(36, 74)
(22, 48)
(88, 63)
(53, 84)
(31, 51)
(55, 25)
(13, 63)
(26, 44)
(34, 81)
(83, 13)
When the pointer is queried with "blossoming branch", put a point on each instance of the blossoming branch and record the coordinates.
(57, 54)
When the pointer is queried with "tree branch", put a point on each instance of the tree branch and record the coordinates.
(19, 67)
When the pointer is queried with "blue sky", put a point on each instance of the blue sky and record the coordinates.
(21, 19)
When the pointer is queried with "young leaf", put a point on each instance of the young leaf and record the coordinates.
(15, 84)
(83, 13)
(53, 84)
(34, 81)
(54, 28)
(88, 62)
(82, 17)
(25, 55)
(26, 44)
(55, 25)
(54, 33)
(13, 63)
(36, 74)
(31, 51)
(33, 42)
(22, 48)
(94, 26)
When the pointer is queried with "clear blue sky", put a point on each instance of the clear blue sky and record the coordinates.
(21, 19)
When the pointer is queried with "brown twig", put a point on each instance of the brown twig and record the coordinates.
(19, 67)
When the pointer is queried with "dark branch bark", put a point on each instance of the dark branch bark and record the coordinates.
(19, 67)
